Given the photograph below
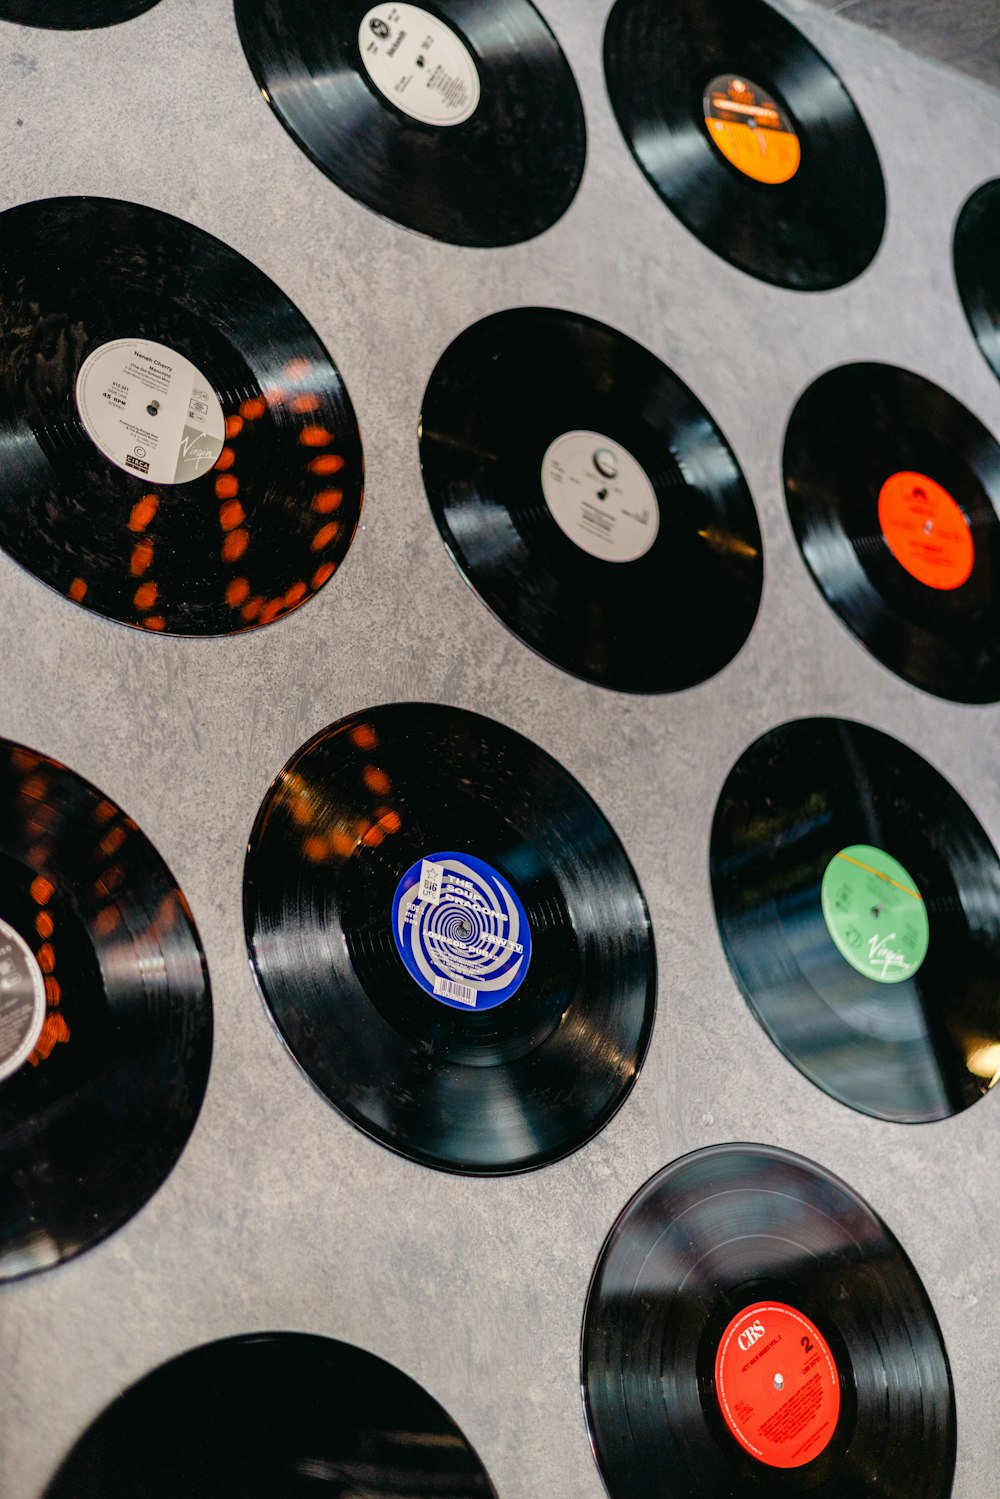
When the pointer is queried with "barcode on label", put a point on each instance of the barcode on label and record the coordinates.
(446, 989)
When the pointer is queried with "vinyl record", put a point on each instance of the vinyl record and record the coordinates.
(752, 1328)
(181, 454)
(977, 273)
(273, 1416)
(749, 136)
(858, 900)
(591, 501)
(450, 938)
(72, 15)
(105, 1015)
(893, 489)
(460, 121)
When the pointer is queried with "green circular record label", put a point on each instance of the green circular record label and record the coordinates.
(875, 913)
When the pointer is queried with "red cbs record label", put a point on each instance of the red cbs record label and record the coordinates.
(926, 530)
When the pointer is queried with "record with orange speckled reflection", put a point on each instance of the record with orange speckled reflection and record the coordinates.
(180, 452)
(72, 15)
(450, 938)
(105, 1015)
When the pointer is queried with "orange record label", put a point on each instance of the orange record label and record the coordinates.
(925, 530)
(777, 1385)
(751, 130)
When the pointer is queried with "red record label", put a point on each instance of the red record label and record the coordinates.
(926, 530)
(777, 1385)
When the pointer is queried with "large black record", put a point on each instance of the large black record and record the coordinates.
(105, 1015)
(273, 1414)
(180, 452)
(591, 501)
(459, 121)
(977, 274)
(752, 1328)
(749, 136)
(450, 938)
(72, 15)
(893, 491)
(858, 900)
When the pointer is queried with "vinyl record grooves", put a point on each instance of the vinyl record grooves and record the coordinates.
(72, 15)
(461, 122)
(271, 1414)
(793, 196)
(858, 900)
(976, 272)
(753, 1328)
(893, 491)
(182, 455)
(591, 501)
(105, 1015)
(450, 938)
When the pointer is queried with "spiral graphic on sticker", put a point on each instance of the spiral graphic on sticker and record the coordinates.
(461, 931)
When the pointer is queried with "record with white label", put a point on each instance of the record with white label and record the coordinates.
(105, 1015)
(590, 500)
(72, 15)
(450, 938)
(182, 454)
(753, 1328)
(858, 901)
(977, 272)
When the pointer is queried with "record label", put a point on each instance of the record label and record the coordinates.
(599, 496)
(22, 1001)
(751, 130)
(875, 914)
(419, 63)
(777, 1385)
(926, 530)
(461, 931)
(150, 411)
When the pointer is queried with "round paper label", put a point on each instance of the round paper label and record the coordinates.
(777, 1385)
(419, 63)
(599, 496)
(461, 931)
(875, 914)
(150, 411)
(751, 130)
(22, 1001)
(925, 530)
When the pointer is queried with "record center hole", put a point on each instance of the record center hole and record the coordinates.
(779, 1381)
(876, 911)
(153, 408)
(463, 930)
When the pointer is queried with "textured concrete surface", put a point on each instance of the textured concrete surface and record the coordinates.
(963, 33)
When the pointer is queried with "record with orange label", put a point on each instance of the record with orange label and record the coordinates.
(72, 15)
(977, 269)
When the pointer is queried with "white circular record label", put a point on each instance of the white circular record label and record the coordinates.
(22, 1001)
(600, 497)
(419, 63)
(150, 411)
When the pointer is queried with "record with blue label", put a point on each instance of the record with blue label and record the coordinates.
(72, 15)
(450, 938)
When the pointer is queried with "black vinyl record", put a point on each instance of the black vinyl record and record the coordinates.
(893, 491)
(977, 273)
(858, 900)
(450, 939)
(459, 121)
(105, 1015)
(591, 501)
(752, 1328)
(72, 15)
(273, 1416)
(748, 136)
(181, 454)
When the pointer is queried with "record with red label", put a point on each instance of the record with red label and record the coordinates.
(893, 491)
(977, 271)
(752, 1327)
(72, 15)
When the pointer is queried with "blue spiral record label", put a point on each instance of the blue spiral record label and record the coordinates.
(461, 931)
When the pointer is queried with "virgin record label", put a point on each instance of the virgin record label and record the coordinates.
(875, 914)
(419, 63)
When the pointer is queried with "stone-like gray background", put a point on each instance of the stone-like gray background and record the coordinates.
(280, 1214)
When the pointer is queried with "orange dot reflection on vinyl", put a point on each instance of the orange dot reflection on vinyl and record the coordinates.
(44, 925)
(376, 780)
(106, 921)
(324, 536)
(104, 811)
(316, 849)
(326, 500)
(46, 957)
(78, 590)
(23, 759)
(315, 437)
(112, 842)
(141, 559)
(295, 594)
(363, 735)
(54, 1030)
(154, 622)
(225, 460)
(252, 608)
(33, 788)
(234, 426)
(42, 891)
(227, 486)
(253, 410)
(231, 514)
(302, 405)
(145, 596)
(326, 463)
(323, 574)
(143, 512)
(237, 592)
(271, 610)
(234, 545)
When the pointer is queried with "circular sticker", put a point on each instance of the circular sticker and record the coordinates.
(461, 931)
(875, 914)
(22, 1001)
(415, 60)
(925, 530)
(599, 496)
(150, 411)
(751, 130)
(777, 1384)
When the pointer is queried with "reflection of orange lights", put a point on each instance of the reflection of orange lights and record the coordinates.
(112, 842)
(324, 536)
(106, 920)
(390, 822)
(302, 405)
(42, 891)
(237, 592)
(315, 849)
(225, 460)
(253, 410)
(295, 595)
(363, 735)
(231, 514)
(154, 622)
(145, 595)
(372, 836)
(104, 811)
(234, 426)
(315, 437)
(46, 957)
(141, 559)
(44, 925)
(234, 545)
(33, 788)
(227, 486)
(326, 464)
(297, 368)
(23, 759)
(53, 993)
(325, 500)
(271, 611)
(252, 607)
(376, 780)
(143, 512)
(322, 574)
(54, 1030)
(78, 590)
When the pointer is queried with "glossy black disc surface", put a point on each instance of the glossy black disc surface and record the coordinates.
(72, 15)
(816, 230)
(500, 399)
(733, 1226)
(254, 536)
(498, 176)
(913, 1050)
(268, 1415)
(976, 270)
(463, 1089)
